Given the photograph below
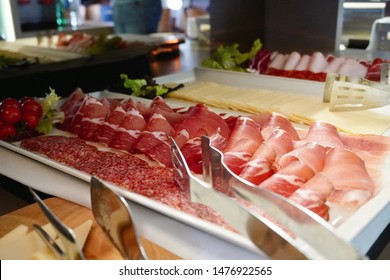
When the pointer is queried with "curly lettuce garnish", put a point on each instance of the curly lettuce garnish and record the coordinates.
(50, 114)
(230, 57)
(146, 88)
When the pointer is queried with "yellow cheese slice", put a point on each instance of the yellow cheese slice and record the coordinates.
(31, 246)
(14, 234)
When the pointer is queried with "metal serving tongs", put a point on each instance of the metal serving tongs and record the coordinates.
(114, 216)
(317, 239)
(72, 250)
(346, 93)
(268, 237)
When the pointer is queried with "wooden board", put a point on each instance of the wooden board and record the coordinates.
(97, 246)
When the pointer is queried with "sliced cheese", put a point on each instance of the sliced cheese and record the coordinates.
(31, 246)
(14, 234)
(23, 247)
(81, 232)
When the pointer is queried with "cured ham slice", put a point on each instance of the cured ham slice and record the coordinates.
(192, 151)
(317, 62)
(278, 121)
(351, 67)
(292, 61)
(128, 131)
(351, 182)
(200, 121)
(303, 63)
(324, 134)
(94, 115)
(153, 140)
(314, 194)
(159, 106)
(278, 61)
(70, 108)
(311, 154)
(261, 165)
(296, 168)
(74, 125)
(244, 140)
(142, 108)
(108, 129)
(334, 65)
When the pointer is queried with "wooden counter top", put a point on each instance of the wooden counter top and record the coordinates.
(97, 246)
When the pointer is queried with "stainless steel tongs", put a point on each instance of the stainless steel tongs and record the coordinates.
(312, 237)
(272, 240)
(317, 238)
(71, 250)
(346, 93)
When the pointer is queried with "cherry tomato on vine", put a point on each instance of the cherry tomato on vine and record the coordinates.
(9, 102)
(10, 114)
(31, 120)
(7, 132)
(32, 106)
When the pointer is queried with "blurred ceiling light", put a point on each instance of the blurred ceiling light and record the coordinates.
(363, 5)
(174, 4)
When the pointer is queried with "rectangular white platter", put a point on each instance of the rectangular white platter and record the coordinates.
(183, 234)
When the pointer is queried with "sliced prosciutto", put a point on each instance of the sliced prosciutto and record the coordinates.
(351, 182)
(74, 125)
(244, 141)
(276, 120)
(192, 151)
(200, 121)
(94, 114)
(314, 194)
(261, 165)
(129, 130)
(159, 106)
(296, 168)
(108, 129)
(70, 108)
(154, 142)
(324, 134)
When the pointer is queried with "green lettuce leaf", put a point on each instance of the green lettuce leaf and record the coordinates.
(231, 58)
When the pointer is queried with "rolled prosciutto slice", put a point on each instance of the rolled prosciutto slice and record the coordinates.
(200, 121)
(292, 61)
(87, 103)
(314, 194)
(95, 113)
(244, 140)
(108, 129)
(317, 62)
(130, 128)
(71, 107)
(153, 140)
(159, 106)
(276, 120)
(296, 168)
(351, 182)
(261, 165)
(192, 151)
(324, 134)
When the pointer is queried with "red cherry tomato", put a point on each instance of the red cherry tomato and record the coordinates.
(9, 102)
(10, 114)
(31, 120)
(32, 106)
(7, 132)
(24, 99)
